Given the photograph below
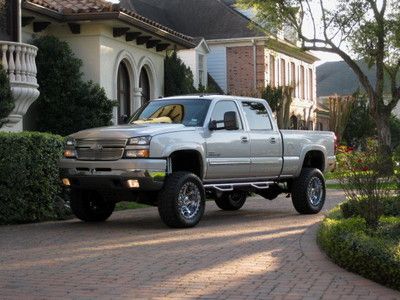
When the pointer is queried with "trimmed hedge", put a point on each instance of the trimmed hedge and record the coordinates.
(353, 208)
(374, 255)
(30, 187)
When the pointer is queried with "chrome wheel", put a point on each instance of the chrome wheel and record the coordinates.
(189, 200)
(315, 191)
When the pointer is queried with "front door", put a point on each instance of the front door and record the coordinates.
(227, 151)
(266, 142)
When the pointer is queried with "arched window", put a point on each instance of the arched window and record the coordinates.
(144, 84)
(124, 93)
(293, 122)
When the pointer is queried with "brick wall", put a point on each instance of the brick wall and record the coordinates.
(240, 69)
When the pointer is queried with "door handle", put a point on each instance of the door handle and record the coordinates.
(272, 140)
(244, 139)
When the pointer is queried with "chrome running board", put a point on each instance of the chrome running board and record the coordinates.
(228, 187)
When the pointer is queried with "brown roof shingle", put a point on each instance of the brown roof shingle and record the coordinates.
(76, 7)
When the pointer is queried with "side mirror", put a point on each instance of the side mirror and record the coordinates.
(230, 121)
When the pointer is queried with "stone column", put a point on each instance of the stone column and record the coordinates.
(136, 99)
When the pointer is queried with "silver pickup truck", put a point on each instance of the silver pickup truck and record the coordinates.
(174, 152)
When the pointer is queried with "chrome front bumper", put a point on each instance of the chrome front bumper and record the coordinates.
(150, 173)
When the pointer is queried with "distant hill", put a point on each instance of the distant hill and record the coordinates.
(337, 78)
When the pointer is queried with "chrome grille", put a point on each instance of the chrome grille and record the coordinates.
(100, 149)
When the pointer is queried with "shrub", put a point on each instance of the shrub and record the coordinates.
(361, 125)
(348, 243)
(6, 98)
(355, 207)
(396, 163)
(178, 78)
(29, 177)
(279, 99)
(363, 175)
(66, 103)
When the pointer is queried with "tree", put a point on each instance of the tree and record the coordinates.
(352, 29)
(339, 114)
(6, 98)
(279, 99)
(360, 125)
(66, 103)
(178, 78)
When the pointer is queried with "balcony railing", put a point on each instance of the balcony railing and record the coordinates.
(18, 60)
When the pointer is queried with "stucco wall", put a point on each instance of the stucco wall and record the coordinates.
(101, 55)
(190, 58)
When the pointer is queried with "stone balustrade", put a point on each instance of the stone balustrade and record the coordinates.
(18, 60)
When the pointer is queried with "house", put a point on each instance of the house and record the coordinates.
(242, 58)
(18, 60)
(122, 50)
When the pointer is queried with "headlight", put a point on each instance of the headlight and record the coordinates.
(70, 142)
(142, 153)
(140, 140)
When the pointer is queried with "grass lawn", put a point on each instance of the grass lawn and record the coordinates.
(337, 186)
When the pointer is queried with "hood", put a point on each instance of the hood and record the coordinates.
(128, 131)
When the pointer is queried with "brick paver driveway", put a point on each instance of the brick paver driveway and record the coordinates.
(264, 251)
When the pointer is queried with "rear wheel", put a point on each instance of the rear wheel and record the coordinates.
(231, 200)
(181, 202)
(309, 192)
(90, 206)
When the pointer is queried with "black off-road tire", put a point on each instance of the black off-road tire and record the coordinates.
(231, 200)
(302, 201)
(90, 206)
(169, 206)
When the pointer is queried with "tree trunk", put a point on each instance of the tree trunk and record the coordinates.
(384, 139)
(384, 135)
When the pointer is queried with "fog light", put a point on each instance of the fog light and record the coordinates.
(133, 184)
(66, 182)
(69, 153)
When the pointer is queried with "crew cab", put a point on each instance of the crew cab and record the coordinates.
(175, 152)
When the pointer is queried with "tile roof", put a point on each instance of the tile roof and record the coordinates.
(76, 7)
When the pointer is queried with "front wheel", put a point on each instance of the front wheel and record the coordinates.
(90, 206)
(231, 200)
(309, 191)
(181, 202)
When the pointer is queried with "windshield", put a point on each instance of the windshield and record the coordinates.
(189, 112)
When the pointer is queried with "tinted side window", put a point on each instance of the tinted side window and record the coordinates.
(221, 108)
(257, 115)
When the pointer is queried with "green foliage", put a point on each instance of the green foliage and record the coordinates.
(364, 175)
(395, 131)
(349, 243)
(396, 163)
(6, 99)
(353, 29)
(178, 78)
(29, 177)
(279, 99)
(355, 207)
(67, 104)
(339, 114)
(360, 125)
(274, 96)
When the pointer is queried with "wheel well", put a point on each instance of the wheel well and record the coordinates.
(314, 159)
(187, 160)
